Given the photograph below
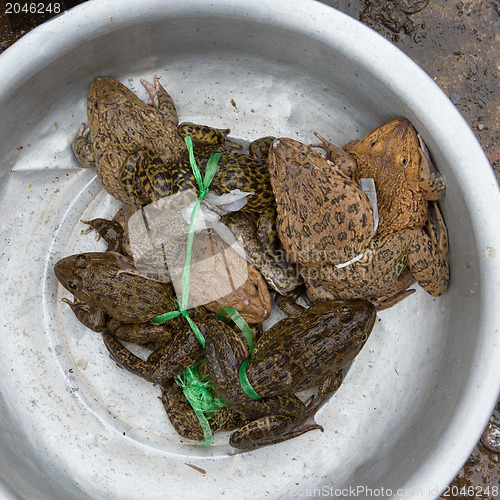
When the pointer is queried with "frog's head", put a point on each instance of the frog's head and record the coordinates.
(396, 143)
(70, 272)
(350, 323)
(107, 100)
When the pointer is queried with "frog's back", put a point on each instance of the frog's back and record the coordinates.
(323, 214)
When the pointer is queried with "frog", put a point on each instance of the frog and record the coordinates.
(95, 279)
(146, 177)
(380, 266)
(323, 215)
(406, 179)
(388, 266)
(308, 349)
(120, 124)
(251, 299)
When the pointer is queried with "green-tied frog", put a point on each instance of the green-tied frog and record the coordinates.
(121, 124)
(396, 158)
(307, 350)
(145, 176)
(251, 299)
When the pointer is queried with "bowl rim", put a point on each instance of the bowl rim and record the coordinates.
(439, 116)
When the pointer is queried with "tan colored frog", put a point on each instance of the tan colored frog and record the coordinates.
(120, 124)
(381, 269)
(323, 216)
(395, 156)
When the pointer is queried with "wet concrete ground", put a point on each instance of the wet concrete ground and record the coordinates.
(458, 44)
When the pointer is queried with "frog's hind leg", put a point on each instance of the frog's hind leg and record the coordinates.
(428, 255)
(289, 421)
(128, 360)
(161, 100)
(82, 147)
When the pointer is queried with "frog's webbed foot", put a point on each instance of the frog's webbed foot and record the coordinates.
(340, 158)
(272, 429)
(127, 359)
(161, 100)
(288, 305)
(110, 231)
(91, 317)
(82, 148)
(259, 148)
(431, 182)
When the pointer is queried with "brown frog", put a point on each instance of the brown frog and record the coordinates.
(307, 350)
(323, 215)
(395, 156)
(383, 267)
(251, 299)
(121, 124)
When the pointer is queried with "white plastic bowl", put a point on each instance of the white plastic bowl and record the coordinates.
(74, 426)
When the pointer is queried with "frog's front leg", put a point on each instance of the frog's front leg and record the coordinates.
(428, 255)
(431, 182)
(110, 231)
(82, 147)
(161, 100)
(287, 418)
(91, 317)
(343, 160)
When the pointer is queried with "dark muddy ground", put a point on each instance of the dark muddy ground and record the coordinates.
(457, 44)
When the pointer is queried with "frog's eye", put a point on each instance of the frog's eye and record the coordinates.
(373, 143)
(344, 313)
(75, 284)
(364, 337)
(80, 260)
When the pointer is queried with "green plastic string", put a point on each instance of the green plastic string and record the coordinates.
(180, 312)
(197, 391)
(247, 331)
(200, 398)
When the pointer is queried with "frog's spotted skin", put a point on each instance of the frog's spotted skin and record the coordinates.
(146, 178)
(256, 237)
(120, 123)
(301, 352)
(424, 253)
(395, 156)
(323, 215)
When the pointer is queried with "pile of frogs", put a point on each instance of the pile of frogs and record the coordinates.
(346, 230)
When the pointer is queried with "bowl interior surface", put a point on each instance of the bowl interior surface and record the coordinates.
(412, 405)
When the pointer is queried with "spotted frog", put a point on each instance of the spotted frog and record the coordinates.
(145, 177)
(323, 215)
(380, 267)
(120, 124)
(307, 350)
(396, 157)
